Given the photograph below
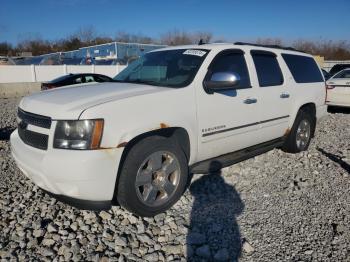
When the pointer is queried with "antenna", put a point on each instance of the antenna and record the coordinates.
(201, 42)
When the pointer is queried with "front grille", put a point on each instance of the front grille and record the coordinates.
(29, 137)
(34, 119)
(33, 139)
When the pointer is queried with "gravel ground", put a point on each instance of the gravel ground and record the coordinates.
(274, 207)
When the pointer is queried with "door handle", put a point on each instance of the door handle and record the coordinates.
(284, 95)
(250, 101)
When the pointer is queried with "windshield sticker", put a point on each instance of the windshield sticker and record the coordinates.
(195, 52)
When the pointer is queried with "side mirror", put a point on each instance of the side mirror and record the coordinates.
(222, 81)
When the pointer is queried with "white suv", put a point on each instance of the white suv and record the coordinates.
(174, 111)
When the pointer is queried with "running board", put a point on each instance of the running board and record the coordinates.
(216, 163)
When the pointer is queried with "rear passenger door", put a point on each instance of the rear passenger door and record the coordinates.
(274, 95)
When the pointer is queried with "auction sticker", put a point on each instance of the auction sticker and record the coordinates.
(195, 52)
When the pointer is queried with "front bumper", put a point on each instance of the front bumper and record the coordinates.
(82, 204)
(70, 175)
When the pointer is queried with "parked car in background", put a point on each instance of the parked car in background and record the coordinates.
(337, 68)
(4, 60)
(110, 61)
(326, 75)
(338, 89)
(73, 79)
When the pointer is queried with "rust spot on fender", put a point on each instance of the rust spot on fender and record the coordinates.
(287, 132)
(163, 125)
(123, 144)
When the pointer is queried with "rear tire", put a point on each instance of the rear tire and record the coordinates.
(300, 136)
(153, 176)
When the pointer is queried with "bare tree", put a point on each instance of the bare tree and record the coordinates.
(5, 48)
(269, 41)
(122, 36)
(177, 37)
(86, 34)
(338, 50)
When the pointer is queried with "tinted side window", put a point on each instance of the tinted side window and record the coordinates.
(303, 68)
(267, 68)
(77, 80)
(101, 79)
(231, 62)
(89, 79)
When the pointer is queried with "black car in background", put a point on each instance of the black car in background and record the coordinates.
(73, 79)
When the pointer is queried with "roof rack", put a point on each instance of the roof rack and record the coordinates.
(269, 46)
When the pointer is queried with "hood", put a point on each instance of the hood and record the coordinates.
(69, 102)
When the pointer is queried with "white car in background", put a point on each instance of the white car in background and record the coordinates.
(338, 89)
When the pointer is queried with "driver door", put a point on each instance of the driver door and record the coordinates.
(228, 120)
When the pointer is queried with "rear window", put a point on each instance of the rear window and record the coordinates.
(343, 74)
(303, 68)
(267, 68)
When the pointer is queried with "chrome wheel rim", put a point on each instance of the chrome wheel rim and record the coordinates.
(303, 134)
(157, 178)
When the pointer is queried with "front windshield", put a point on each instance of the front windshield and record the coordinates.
(169, 68)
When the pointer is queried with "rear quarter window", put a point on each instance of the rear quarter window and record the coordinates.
(303, 68)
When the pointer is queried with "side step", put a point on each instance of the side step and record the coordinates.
(216, 163)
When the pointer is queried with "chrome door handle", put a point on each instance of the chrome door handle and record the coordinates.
(250, 101)
(284, 95)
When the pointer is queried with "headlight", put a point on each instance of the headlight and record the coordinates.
(78, 134)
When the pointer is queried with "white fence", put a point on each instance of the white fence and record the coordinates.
(41, 73)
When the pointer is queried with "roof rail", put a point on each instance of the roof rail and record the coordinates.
(269, 46)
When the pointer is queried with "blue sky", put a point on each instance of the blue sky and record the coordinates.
(231, 20)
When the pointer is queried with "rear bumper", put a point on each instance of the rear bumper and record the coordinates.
(339, 97)
(70, 175)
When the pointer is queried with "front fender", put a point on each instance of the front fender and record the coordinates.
(128, 118)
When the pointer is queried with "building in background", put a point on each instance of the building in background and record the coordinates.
(105, 54)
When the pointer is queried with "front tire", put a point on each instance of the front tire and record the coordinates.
(153, 176)
(300, 136)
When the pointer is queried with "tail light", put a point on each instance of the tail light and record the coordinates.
(328, 87)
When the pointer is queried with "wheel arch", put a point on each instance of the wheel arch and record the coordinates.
(178, 135)
(308, 107)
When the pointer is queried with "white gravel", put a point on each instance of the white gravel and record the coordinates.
(274, 207)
